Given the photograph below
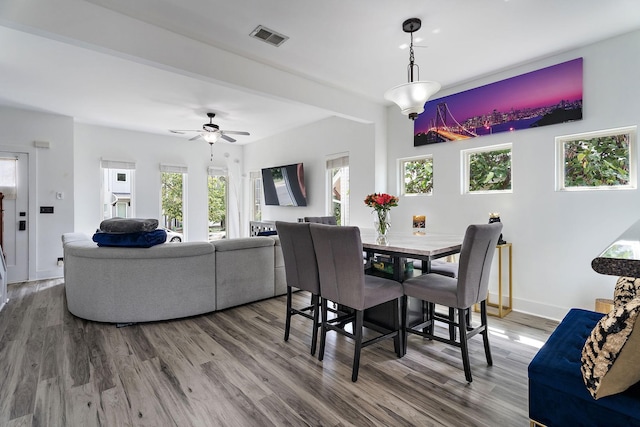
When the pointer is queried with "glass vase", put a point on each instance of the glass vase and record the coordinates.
(382, 224)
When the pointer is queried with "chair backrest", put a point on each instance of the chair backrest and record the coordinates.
(329, 220)
(339, 255)
(476, 256)
(299, 256)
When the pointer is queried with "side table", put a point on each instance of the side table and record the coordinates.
(502, 310)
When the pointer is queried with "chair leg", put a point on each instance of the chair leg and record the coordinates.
(431, 308)
(315, 303)
(485, 333)
(323, 329)
(357, 331)
(398, 340)
(452, 326)
(287, 324)
(405, 302)
(462, 325)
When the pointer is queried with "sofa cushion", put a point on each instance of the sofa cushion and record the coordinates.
(242, 243)
(141, 239)
(128, 225)
(611, 355)
(626, 289)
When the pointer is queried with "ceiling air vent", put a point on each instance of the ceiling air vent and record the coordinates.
(268, 36)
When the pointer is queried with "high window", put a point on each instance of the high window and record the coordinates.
(487, 169)
(218, 195)
(416, 176)
(597, 160)
(117, 189)
(338, 185)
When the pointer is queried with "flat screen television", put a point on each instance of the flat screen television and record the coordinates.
(284, 185)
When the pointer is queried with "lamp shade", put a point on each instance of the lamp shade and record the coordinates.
(412, 96)
(211, 137)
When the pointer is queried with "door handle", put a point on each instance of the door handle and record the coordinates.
(22, 225)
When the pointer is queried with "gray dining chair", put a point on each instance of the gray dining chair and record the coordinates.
(342, 280)
(471, 287)
(301, 272)
(329, 220)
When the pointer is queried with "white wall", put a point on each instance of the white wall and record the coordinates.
(555, 235)
(53, 173)
(311, 145)
(94, 143)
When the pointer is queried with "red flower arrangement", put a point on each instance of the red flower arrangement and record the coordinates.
(381, 201)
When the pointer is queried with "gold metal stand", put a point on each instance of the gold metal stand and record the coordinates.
(502, 310)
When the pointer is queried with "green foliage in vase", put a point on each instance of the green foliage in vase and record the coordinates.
(597, 162)
(418, 176)
(172, 197)
(490, 170)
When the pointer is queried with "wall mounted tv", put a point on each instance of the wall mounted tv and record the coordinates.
(284, 185)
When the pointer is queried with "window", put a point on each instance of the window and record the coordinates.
(256, 187)
(597, 160)
(8, 177)
(487, 169)
(218, 196)
(338, 184)
(417, 176)
(172, 198)
(117, 194)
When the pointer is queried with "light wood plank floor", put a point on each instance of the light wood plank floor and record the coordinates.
(232, 368)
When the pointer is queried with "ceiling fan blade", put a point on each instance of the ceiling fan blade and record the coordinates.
(177, 131)
(228, 138)
(235, 132)
(195, 137)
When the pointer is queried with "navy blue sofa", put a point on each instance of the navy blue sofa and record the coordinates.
(557, 394)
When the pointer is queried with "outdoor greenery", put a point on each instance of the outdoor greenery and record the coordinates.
(490, 170)
(217, 200)
(418, 176)
(172, 198)
(597, 162)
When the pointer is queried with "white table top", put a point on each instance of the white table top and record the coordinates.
(407, 244)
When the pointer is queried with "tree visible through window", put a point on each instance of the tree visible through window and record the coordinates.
(417, 176)
(172, 200)
(217, 191)
(489, 170)
(597, 160)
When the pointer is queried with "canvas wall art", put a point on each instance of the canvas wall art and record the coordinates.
(543, 97)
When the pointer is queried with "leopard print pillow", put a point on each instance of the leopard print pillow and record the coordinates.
(611, 354)
(627, 288)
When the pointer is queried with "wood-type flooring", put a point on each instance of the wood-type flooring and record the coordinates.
(233, 368)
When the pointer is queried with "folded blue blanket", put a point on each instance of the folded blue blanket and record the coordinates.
(141, 239)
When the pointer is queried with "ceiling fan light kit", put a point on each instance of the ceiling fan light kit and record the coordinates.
(412, 96)
(211, 132)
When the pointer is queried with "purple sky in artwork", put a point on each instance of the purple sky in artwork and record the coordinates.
(540, 88)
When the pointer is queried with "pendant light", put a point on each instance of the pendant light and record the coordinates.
(412, 96)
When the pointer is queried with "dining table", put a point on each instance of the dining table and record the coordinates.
(404, 247)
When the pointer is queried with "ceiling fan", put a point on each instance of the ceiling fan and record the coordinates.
(211, 132)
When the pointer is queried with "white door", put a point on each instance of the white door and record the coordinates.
(16, 211)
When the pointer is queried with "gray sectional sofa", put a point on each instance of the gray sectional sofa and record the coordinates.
(171, 280)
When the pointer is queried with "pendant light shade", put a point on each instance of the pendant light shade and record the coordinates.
(412, 96)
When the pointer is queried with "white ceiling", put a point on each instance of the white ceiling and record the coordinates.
(350, 45)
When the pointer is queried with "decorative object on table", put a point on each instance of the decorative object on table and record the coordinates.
(480, 111)
(411, 96)
(495, 217)
(419, 223)
(382, 204)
